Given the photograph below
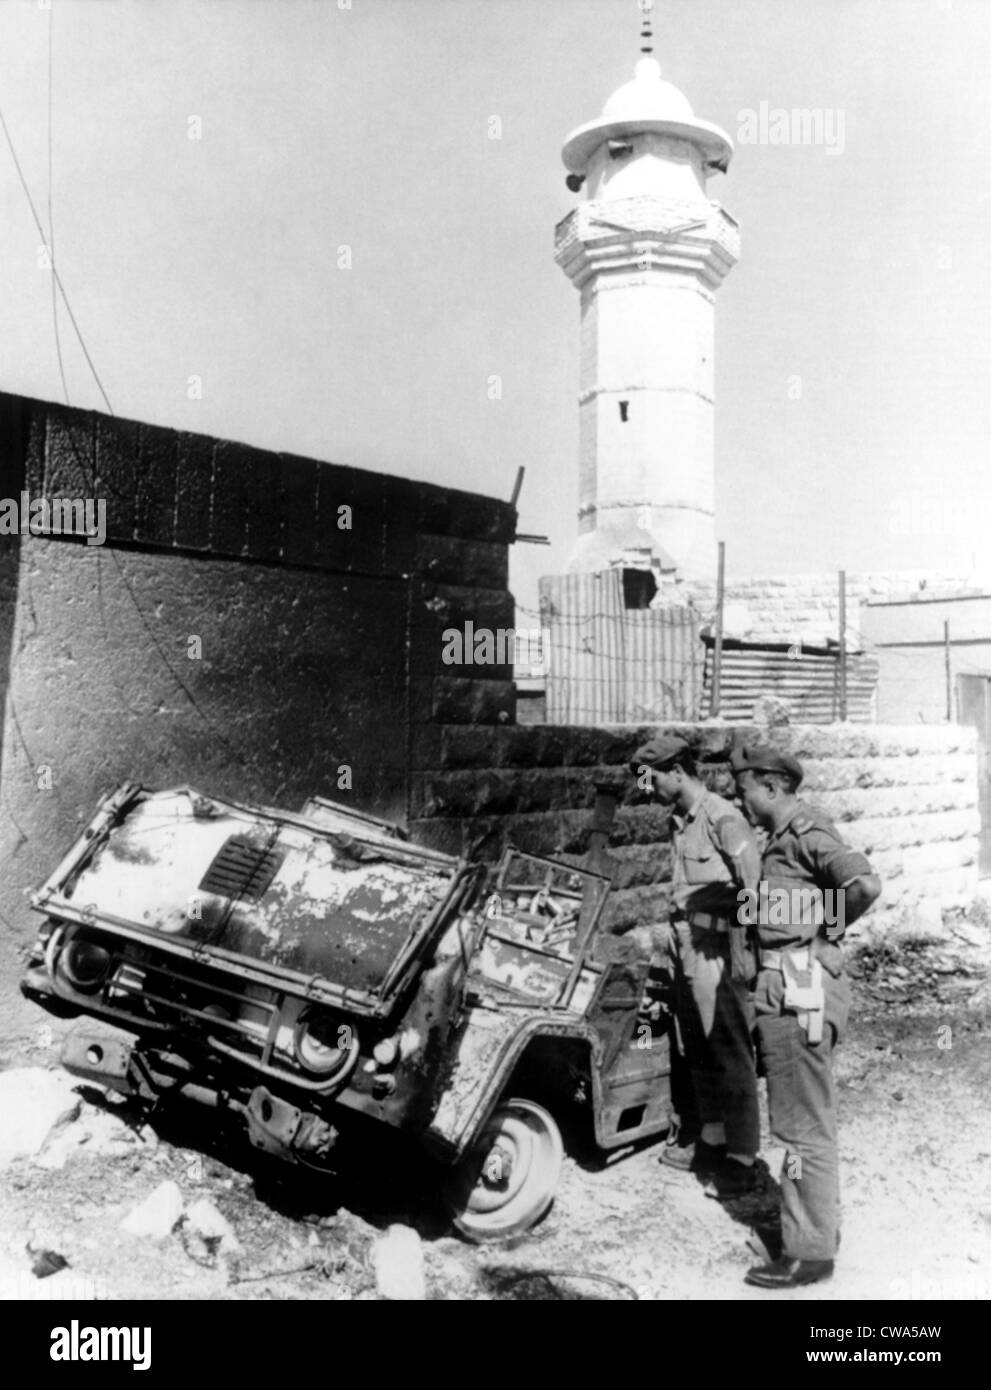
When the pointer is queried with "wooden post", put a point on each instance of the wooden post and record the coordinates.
(842, 652)
(715, 694)
(949, 672)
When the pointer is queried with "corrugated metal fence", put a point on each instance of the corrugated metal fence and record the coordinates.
(609, 664)
(808, 678)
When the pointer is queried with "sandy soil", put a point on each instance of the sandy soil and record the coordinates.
(915, 1149)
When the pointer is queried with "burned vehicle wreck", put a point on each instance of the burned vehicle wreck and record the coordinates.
(313, 972)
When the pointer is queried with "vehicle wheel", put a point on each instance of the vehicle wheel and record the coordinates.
(508, 1178)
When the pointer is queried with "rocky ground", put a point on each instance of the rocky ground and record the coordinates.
(105, 1205)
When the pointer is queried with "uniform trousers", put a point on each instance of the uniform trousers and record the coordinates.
(714, 1017)
(801, 1099)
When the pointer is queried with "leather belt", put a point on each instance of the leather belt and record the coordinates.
(799, 956)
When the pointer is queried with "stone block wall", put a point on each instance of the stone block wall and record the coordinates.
(905, 796)
(805, 607)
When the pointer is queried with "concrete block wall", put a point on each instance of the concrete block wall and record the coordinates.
(905, 796)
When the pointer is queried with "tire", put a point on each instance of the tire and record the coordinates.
(507, 1180)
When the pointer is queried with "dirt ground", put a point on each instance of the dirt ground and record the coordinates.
(915, 1133)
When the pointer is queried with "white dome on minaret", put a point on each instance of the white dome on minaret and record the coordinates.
(648, 97)
(647, 104)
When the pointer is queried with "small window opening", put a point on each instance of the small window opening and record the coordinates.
(624, 411)
(639, 588)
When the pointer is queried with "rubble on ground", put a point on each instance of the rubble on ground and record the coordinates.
(33, 1102)
(212, 1227)
(157, 1215)
(397, 1259)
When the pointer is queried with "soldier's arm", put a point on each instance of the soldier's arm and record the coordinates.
(843, 869)
(858, 894)
(738, 846)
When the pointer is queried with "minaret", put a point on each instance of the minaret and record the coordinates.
(647, 250)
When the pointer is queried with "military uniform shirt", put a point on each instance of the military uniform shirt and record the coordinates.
(805, 865)
(715, 855)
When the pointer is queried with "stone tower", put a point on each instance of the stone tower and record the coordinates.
(646, 249)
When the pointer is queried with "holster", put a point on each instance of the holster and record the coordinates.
(805, 993)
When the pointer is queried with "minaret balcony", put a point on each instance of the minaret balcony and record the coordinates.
(647, 233)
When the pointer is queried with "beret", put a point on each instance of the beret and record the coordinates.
(761, 757)
(659, 752)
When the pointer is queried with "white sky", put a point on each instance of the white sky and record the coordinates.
(323, 126)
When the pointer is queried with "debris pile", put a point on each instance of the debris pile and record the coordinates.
(922, 975)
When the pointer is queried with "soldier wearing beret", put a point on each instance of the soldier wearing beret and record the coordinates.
(802, 999)
(715, 859)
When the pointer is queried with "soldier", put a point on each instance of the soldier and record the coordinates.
(715, 859)
(802, 999)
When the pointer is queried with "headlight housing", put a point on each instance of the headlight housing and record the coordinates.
(325, 1043)
(84, 964)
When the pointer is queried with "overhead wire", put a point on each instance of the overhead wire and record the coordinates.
(82, 462)
(51, 219)
(55, 274)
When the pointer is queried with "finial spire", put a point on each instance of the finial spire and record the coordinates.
(647, 31)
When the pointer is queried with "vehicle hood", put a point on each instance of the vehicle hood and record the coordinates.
(336, 899)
